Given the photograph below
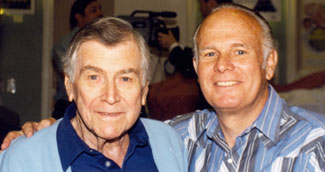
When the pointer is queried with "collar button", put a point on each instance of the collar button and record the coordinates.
(107, 164)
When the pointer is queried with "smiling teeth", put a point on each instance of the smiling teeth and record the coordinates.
(228, 83)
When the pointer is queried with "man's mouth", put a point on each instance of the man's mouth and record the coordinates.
(110, 113)
(227, 83)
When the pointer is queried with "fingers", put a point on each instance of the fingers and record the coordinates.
(45, 123)
(163, 40)
(170, 33)
(163, 37)
(166, 40)
(160, 34)
(9, 138)
(29, 128)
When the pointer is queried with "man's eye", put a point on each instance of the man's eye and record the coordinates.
(126, 79)
(240, 52)
(93, 77)
(93, 9)
(210, 54)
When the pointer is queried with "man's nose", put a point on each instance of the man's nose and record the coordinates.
(99, 12)
(110, 93)
(223, 63)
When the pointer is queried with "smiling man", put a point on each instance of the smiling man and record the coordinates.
(106, 76)
(250, 127)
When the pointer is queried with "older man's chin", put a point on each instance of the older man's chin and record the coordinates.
(109, 133)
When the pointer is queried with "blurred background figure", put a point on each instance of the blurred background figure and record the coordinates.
(82, 12)
(179, 93)
(181, 57)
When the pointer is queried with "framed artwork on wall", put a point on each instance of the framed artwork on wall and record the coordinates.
(311, 35)
(18, 6)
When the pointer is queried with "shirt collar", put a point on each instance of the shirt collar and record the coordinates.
(70, 144)
(212, 124)
(270, 119)
(268, 122)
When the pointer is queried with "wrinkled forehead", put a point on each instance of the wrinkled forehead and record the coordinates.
(129, 46)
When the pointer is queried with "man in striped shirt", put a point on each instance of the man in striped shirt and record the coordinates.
(250, 127)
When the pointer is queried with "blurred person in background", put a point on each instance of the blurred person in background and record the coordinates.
(250, 128)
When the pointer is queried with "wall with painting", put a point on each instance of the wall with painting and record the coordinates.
(311, 35)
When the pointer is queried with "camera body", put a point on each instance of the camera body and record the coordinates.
(151, 25)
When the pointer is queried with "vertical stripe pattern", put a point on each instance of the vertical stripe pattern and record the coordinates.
(281, 139)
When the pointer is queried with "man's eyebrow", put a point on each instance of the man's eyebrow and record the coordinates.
(99, 70)
(92, 68)
(206, 48)
(232, 45)
(130, 70)
(238, 45)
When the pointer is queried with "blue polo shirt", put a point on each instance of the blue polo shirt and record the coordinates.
(73, 151)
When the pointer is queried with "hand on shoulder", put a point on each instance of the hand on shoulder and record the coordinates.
(28, 129)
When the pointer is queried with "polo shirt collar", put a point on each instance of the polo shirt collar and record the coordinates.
(70, 144)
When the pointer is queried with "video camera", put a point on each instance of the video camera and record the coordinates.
(151, 25)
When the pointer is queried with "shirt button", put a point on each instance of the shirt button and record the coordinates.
(229, 161)
(107, 163)
(260, 135)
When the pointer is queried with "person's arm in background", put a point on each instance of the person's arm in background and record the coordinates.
(179, 57)
(28, 129)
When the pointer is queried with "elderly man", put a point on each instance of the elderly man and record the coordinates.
(250, 127)
(106, 76)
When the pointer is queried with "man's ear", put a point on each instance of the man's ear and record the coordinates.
(270, 65)
(79, 18)
(195, 63)
(68, 88)
(145, 90)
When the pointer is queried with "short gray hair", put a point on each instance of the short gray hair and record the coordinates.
(268, 42)
(109, 31)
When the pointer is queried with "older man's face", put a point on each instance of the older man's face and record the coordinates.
(230, 69)
(107, 88)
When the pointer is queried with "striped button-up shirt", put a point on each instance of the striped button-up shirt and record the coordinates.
(281, 139)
